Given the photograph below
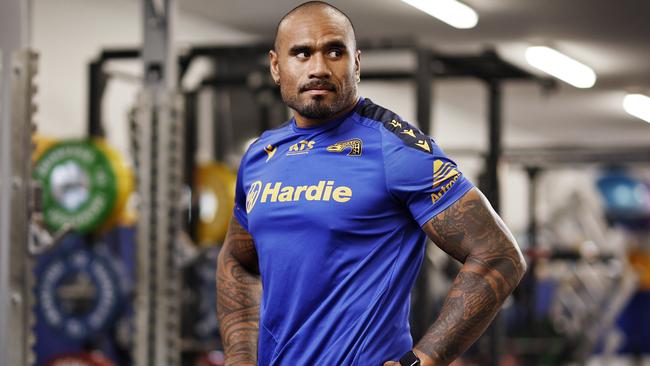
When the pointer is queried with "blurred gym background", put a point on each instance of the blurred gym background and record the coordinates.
(123, 123)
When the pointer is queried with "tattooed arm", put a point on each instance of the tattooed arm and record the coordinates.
(238, 296)
(471, 232)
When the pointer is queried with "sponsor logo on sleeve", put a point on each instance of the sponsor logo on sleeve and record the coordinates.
(445, 176)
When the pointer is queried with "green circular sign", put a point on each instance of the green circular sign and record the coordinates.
(79, 185)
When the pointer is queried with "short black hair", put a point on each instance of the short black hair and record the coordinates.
(310, 4)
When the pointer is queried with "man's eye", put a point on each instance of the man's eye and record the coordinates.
(303, 54)
(335, 53)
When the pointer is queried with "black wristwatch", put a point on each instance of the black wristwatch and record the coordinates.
(409, 359)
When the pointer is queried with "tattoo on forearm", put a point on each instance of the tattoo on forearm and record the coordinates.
(473, 234)
(238, 297)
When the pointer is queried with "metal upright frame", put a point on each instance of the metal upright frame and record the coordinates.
(490, 187)
(158, 138)
(17, 70)
(97, 80)
(4, 222)
(21, 263)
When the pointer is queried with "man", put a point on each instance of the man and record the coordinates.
(332, 212)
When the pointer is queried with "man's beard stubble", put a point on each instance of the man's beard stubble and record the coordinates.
(316, 107)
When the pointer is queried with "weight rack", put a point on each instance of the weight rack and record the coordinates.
(21, 317)
(158, 146)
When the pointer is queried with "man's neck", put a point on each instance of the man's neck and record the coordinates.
(304, 122)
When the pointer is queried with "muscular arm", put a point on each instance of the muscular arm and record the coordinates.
(471, 232)
(238, 296)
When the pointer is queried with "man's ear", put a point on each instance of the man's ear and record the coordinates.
(357, 65)
(273, 66)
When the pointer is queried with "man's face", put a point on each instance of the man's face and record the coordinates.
(316, 63)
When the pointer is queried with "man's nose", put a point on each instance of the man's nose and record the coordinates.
(319, 67)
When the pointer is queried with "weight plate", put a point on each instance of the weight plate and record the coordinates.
(78, 292)
(79, 185)
(215, 184)
(94, 358)
(41, 145)
(125, 186)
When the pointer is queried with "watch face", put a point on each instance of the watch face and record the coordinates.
(409, 359)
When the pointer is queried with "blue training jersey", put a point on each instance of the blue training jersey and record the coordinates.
(335, 212)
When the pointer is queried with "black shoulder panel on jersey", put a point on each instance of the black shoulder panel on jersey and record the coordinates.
(409, 134)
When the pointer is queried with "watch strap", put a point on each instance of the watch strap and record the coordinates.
(409, 359)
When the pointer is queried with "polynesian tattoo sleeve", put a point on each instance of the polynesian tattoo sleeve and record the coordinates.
(238, 296)
(471, 232)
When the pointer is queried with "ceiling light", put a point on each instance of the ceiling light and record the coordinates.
(561, 66)
(637, 105)
(456, 14)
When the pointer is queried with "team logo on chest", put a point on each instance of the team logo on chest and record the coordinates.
(355, 146)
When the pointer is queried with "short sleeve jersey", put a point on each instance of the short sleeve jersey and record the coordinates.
(336, 212)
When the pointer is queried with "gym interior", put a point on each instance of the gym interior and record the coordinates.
(123, 124)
